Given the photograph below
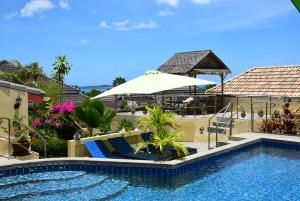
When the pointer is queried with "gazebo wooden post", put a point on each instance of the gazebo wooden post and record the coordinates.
(163, 100)
(222, 87)
(116, 102)
(195, 87)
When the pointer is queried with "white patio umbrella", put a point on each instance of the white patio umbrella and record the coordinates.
(152, 82)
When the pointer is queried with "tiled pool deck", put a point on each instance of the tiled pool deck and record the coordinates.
(142, 167)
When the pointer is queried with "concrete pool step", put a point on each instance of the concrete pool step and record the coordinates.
(39, 177)
(109, 189)
(221, 130)
(51, 187)
(223, 124)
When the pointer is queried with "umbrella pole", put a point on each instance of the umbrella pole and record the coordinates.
(163, 100)
(116, 104)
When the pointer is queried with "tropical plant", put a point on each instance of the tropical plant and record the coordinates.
(34, 71)
(126, 124)
(118, 81)
(95, 115)
(157, 119)
(161, 124)
(61, 67)
(283, 121)
(25, 75)
(22, 136)
(52, 89)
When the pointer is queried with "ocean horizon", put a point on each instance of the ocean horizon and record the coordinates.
(101, 88)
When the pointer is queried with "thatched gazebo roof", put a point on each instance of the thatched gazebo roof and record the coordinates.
(195, 62)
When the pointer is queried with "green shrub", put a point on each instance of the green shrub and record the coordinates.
(55, 147)
(126, 124)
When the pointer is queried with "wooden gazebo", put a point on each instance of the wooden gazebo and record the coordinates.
(195, 63)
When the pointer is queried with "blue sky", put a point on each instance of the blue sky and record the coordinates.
(109, 38)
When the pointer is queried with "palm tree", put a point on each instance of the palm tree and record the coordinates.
(94, 114)
(61, 68)
(35, 71)
(161, 124)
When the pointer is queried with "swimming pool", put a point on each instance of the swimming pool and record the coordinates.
(263, 171)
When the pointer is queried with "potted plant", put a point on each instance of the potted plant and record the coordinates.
(260, 113)
(126, 125)
(162, 125)
(21, 142)
(182, 110)
(243, 114)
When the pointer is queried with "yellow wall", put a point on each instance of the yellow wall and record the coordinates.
(7, 100)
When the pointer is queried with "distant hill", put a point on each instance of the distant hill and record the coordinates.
(101, 88)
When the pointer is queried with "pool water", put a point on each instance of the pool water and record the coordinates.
(260, 173)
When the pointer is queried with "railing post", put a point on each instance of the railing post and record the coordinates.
(217, 135)
(252, 116)
(45, 149)
(267, 123)
(9, 140)
(208, 140)
(231, 116)
(237, 107)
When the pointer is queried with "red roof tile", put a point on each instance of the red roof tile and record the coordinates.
(264, 81)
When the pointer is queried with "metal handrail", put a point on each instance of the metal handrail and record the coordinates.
(209, 122)
(35, 132)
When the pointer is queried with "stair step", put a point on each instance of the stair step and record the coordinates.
(39, 177)
(223, 124)
(109, 189)
(225, 119)
(51, 187)
(221, 130)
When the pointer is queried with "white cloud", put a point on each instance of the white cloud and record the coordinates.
(142, 25)
(166, 13)
(103, 24)
(201, 1)
(84, 41)
(121, 23)
(36, 6)
(125, 25)
(64, 4)
(11, 15)
(173, 3)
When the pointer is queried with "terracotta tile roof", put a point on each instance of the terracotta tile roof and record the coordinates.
(264, 81)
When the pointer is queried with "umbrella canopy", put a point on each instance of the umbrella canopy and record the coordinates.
(152, 82)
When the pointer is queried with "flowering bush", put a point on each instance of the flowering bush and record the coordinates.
(66, 107)
(58, 118)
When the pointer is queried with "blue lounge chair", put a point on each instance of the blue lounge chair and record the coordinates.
(98, 149)
(94, 149)
(147, 136)
(124, 149)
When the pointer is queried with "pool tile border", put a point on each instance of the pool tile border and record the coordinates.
(167, 169)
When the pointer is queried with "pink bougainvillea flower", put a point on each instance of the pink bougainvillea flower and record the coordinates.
(13, 133)
(57, 124)
(36, 122)
(49, 121)
(68, 107)
(56, 108)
